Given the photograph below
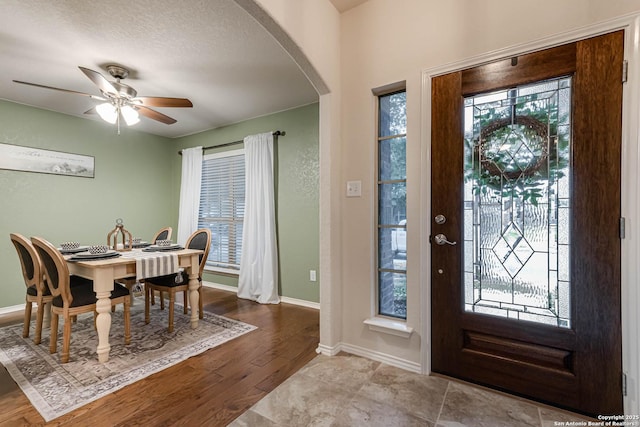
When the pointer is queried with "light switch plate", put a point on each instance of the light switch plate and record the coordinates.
(354, 188)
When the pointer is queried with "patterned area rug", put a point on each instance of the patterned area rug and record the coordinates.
(55, 389)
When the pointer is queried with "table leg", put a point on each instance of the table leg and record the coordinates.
(194, 284)
(103, 285)
(103, 325)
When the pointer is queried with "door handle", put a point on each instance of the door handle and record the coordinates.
(441, 239)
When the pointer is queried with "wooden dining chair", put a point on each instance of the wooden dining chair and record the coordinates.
(162, 234)
(171, 283)
(130, 282)
(73, 295)
(37, 290)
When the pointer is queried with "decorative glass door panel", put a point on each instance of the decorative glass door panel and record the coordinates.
(517, 201)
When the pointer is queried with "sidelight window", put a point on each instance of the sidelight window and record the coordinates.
(392, 204)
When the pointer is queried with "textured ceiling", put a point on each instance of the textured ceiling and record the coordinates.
(211, 52)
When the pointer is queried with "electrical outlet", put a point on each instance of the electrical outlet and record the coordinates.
(312, 275)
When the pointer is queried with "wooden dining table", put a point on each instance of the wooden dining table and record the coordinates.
(104, 272)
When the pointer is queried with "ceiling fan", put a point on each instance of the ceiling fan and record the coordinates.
(120, 99)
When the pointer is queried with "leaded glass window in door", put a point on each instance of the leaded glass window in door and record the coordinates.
(517, 202)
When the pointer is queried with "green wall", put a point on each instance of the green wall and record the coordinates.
(132, 181)
(297, 193)
(137, 178)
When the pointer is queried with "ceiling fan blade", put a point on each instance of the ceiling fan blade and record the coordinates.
(99, 80)
(61, 90)
(157, 101)
(153, 114)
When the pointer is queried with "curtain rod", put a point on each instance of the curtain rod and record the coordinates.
(276, 133)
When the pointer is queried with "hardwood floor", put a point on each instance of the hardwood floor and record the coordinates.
(211, 389)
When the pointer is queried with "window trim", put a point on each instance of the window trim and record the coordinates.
(225, 153)
(231, 272)
(400, 86)
(389, 325)
(382, 322)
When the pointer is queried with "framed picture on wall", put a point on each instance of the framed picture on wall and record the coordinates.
(28, 159)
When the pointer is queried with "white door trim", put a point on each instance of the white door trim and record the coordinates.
(630, 187)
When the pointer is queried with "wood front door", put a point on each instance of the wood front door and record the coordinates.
(525, 222)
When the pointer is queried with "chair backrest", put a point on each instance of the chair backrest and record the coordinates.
(162, 234)
(55, 269)
(200, 239)
(32, 270)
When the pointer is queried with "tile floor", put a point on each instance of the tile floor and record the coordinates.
(351, 391)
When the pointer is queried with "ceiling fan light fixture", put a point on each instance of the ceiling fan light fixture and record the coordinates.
(121, 101)
(130, 115)
(107, 112)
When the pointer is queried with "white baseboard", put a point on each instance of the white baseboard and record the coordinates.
(300, 302)
(328, 351)
(220, 286)
(369, 354)
(12, 309)
(287, 300)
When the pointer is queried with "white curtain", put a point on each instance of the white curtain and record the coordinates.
(189, 193)
(259, 263)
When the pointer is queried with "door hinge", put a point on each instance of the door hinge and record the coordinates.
(622, 227)
(624, 384)
(625, 71)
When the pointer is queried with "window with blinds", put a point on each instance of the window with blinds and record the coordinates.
(222, 207)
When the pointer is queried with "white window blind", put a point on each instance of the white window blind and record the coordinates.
(222, 207)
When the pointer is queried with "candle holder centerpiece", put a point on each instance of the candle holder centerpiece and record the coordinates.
(113, 237)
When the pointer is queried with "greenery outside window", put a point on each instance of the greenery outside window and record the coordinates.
(392, 204)
(222, 208)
